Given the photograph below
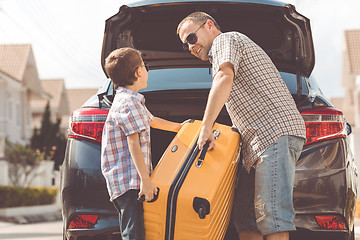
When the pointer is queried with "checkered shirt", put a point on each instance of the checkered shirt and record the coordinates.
(127, 115)
(260, 105)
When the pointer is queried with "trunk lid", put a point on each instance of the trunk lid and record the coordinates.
(150, 26)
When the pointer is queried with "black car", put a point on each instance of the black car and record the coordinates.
(326, 177)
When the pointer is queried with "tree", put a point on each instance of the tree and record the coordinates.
(49, 140)
(23, 161)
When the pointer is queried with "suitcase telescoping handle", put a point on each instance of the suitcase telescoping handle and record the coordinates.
(202, 154)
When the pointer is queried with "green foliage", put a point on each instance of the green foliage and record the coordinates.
(49, 140)
(22, 163)
(31, 196)
(18, 153)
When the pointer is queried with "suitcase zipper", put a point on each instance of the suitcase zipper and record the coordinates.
(174, 191)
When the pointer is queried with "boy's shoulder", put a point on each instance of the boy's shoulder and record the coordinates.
(125, 102)
(127, 94)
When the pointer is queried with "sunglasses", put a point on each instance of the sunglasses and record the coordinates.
(191, 38)
(145, 65)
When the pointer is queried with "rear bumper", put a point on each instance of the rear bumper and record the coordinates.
(316, 192)
(106, 228)
(327, 188)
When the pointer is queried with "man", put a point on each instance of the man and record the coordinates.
(262, 108)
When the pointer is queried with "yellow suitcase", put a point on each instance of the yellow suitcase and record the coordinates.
(195, 196)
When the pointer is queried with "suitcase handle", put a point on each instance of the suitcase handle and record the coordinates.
(142, 197)
(204, 150)
(202, 154)
(201, 207)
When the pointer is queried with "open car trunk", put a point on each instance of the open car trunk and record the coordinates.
(150, 26)
(177, 106)
(282, 32)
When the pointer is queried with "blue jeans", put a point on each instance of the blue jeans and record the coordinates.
(131, 215)
(264, 198)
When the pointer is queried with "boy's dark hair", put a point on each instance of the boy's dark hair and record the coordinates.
(197, 17)
(121, 64)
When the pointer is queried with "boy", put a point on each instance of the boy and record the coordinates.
(125, 150)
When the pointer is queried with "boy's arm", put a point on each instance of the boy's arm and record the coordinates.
(147, 188)
(163, 124)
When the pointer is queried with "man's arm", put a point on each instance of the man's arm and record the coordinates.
(163, 124)
(219, 93)
(147, 188)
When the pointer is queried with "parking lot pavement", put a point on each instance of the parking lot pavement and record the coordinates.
(38, 231)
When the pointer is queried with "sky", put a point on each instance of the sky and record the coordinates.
(66, 36)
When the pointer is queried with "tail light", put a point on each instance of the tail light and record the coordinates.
(330, 222)
(83, 221)
(87, 124)
(323, 123)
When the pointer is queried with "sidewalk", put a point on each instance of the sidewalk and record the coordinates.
(6, 224)
(36, 231)
(27, 219)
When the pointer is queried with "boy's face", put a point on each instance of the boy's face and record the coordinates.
(142, 76)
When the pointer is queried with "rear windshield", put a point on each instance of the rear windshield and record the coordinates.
(198, 78)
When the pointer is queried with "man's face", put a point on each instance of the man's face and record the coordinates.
(203, 44)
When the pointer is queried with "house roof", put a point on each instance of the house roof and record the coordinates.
(55, 90)
(13, 59)
(349, 112)
(352, 39)
(77, 97)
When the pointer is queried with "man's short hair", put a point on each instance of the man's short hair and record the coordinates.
(121, 64)
(197, 17)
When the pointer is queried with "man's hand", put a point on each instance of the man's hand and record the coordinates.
(206, 135)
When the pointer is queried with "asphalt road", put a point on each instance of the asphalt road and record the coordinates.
(53, 231)
(37, 231)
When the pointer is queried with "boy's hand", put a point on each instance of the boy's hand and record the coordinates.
(148, 189)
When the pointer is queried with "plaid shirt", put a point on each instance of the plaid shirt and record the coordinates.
(260, 105)
(127, 115)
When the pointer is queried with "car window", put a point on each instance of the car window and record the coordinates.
(291, 82)
(198, 78)
(181, 78)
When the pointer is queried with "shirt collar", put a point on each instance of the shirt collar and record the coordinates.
(139, 96)
(210, 55)
(210, 51)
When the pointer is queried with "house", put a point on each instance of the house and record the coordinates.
(58, 102)
(77, 97)
(350, 80)
(19, 82)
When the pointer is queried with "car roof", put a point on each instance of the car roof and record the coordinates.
(150, 2)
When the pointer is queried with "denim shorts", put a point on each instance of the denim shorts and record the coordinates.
(263, 199)
(131, 215)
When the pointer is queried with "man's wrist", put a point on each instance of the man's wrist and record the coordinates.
(205, 126)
